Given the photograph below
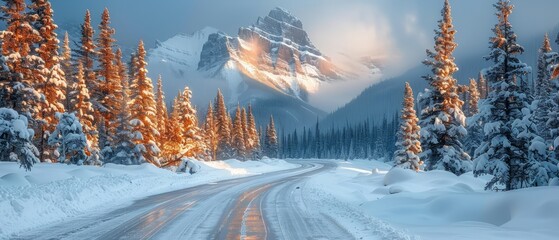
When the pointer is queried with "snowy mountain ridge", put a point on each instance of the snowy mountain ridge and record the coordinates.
(272, 61)
(276, 51)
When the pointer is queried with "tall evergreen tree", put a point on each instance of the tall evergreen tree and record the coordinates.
(442, 121)
(83, 107)
(543, 102)
(246, 137)
(237, 135)
(253, 135)
(51, 82)
(474, 123)
(108, 75)
(192, 137)
(122, 72)
(543, 72)
(86, 54)
(20, 63)
(142, 109)
(224, 149)
(161, 111)
(408, 146)
(271, 146)
(210, 133)
(125, 151)
(173, 147)
(511, 151)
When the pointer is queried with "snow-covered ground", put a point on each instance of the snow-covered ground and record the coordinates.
(366, 195)
(53, 192)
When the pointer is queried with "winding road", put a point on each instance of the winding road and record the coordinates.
(266, 206)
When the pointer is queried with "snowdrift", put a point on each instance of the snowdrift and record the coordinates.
(441, 205)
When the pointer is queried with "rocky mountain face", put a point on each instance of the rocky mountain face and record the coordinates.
(275, 51)
(273, 65)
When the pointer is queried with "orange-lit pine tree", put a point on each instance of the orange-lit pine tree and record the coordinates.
(173, 147)
(82, 106)
(161, 112)
(223, 123)
(442, 120)
(408, 145)
(246, 137)
(192, 139)
(237, 135)
(142, 108)
(253, 135)
(110, 85)
(87, 54)
(50, 78)
(210, 133)
(18, 40)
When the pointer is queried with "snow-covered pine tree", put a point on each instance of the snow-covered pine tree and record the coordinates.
(408, 145)
(20, 63)
(173, 147)
(543, 103)
(125, 151)
(50, 78)
(70, 139)
(192, 144)
(271, 146)
(442, 120)
(474, 124)
(86, 54)
(237, 135)
(543, 73)
(246, 137)
(161, 112)
(224, 149)
(15, 143)
(122, 72)
(511, 151)
(142, 109)
(253, 136)
(82, 106)
(108, 75)
(210, 133)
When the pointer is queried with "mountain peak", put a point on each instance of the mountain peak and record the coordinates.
(281, 15)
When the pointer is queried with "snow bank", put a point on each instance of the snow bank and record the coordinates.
(53, 192)
(440, 205)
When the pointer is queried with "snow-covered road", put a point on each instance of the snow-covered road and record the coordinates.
(266, 206)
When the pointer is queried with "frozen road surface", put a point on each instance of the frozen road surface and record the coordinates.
(267, 206)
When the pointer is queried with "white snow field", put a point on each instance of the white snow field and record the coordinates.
(51, 193)
(432, 205)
